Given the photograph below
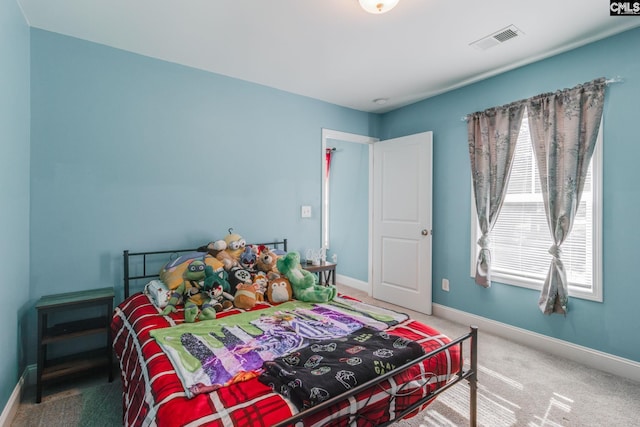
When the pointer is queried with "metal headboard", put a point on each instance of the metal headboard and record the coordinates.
(128, 256)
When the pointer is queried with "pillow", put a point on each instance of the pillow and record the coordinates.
(158, 293)
(171, 273)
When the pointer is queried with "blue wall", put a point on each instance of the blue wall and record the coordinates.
(14, 192)
(610, 326)
(130, 152)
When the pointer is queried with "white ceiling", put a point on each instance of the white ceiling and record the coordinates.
(332, 50)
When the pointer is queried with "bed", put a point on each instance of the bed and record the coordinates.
(155, 391)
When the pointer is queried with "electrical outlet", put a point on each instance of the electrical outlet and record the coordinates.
(445, 285)
(305, 212)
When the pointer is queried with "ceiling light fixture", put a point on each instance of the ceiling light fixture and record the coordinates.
(378, 6)
(380, 101)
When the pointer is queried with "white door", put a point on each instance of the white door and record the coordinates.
(402, 181)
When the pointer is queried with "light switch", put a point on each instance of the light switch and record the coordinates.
(305, 212)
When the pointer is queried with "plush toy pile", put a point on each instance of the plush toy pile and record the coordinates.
(228, 273)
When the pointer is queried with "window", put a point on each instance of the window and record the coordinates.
(520, 239)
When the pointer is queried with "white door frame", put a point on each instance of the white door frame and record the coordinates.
(360, 139)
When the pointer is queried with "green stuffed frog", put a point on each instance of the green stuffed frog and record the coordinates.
(304, 284)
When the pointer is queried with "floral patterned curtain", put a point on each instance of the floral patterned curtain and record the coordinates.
(492, 136)
(564, 127)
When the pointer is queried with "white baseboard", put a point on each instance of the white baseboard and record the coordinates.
(11, 408)
(354, 283)
(595, 359)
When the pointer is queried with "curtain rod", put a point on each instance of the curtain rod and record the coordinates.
(616, 79)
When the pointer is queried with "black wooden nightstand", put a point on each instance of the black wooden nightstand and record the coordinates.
(100, 301)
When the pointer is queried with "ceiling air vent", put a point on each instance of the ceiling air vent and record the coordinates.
(497, 38)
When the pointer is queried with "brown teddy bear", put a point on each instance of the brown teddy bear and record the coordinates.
(267, 261)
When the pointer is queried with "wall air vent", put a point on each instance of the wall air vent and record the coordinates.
(497, 38)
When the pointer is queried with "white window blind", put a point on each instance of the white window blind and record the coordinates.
(520, 239)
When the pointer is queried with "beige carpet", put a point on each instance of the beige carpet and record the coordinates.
(87, 402)
(518, 386)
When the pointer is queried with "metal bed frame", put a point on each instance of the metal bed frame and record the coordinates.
(130, 256)
(469, 373)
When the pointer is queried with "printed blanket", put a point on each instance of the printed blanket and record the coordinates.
(153, 394)
(215, 353)
(326, 369)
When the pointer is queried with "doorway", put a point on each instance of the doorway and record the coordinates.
(346, 205)
(397, 216)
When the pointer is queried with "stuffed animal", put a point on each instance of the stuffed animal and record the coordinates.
(245, 296)
(217, 286)
(172, 273)
(213, 248)
(227, 260)
(214, 279)
(303, 283)
(235, 244)
(238, 276)
(279, 290)
(266, 261)
(192, 293)
(260, 283)
(218, 250)
(158, 293)
(248, 258)
(220, 300)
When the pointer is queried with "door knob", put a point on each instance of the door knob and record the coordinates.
(425, 232)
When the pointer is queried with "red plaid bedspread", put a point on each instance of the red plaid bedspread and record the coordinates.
(153, 394)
